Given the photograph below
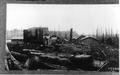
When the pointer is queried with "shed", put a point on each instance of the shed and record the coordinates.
(17, 40)
(90, 41)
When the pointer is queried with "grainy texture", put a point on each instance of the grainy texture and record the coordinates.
(66, 1)
(3, 25)
(2, 34)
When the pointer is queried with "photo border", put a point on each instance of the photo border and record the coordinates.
(3, 15)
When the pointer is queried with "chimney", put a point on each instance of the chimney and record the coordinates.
(71, 34)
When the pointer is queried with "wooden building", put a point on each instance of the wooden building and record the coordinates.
(17, 40)
(90, 41)
(35, 35)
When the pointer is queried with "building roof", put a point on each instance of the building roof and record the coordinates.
(80, 37)
(89, 38)
(17, 37)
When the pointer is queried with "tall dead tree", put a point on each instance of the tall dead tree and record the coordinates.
(71, 34)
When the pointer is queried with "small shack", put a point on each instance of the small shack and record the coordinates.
(87, 43)
(87, 40)
(90, 41)
(17, 40)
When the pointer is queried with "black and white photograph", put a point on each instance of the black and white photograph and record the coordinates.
(83, 38)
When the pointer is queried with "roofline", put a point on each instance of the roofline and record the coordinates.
(89, 37)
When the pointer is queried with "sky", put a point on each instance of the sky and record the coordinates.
(84, 19)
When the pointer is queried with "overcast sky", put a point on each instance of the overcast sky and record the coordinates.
(82, 18)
